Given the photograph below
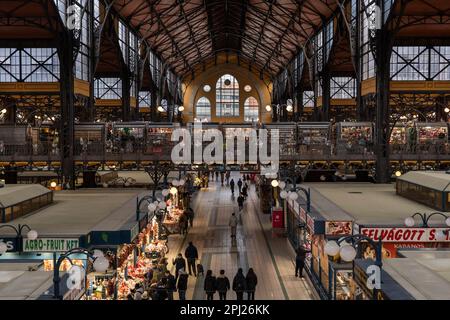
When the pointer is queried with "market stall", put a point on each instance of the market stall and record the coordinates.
(128, 137)
(158, 140)
(398, 139)
(432, 137)
(287, 137)
(89, 138)
(141, 263)
(45, 140)
(314, 138)
(354, 137)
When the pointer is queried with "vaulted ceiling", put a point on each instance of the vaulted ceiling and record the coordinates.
(265, 34)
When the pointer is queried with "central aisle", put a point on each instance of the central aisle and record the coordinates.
(272, 258)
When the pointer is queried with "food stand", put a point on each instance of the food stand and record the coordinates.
(354, 137)
(314, 137)
(431, 137)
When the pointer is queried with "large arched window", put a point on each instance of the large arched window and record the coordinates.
(227, 97)
(251, 110)
(203, 110)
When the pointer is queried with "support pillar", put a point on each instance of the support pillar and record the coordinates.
(126, 108)
(326, 96)
(66, 54)
(383, 56)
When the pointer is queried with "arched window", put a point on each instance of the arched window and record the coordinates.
(251, 110)
(227, 97)
(203, 110)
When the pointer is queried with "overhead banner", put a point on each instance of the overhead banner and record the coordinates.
(404, 234)
(50, 245)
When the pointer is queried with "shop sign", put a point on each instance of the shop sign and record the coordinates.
(50, 245)
(404, 234)
(11, 244)
(277, 218)
(338, 228)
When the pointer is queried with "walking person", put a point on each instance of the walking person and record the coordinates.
(221, 178)
(227, 177)
(239, 284)
(300, 261)
(184, 223)
(223, 285)
(239, 184)
(190, 215)
(180, 264)
(171, 285)
(240, 201)
(182, 285)
(232, 186)
(251, 281)
(233, 226)
(191, 255)
(210, 285)
(245, 191)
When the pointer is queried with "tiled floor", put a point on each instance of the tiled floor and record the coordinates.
(270, 256)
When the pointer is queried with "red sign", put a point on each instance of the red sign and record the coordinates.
(404, 234)
(277, 218)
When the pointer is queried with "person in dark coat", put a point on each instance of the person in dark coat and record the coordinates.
(223, 285)
(180, 263)
(190, 215)
(300, 261)
(191, 255)
(171, 285)
(245, 191)
(251, 281)
(210, 285)
(239, 184)
(239, 284)
(184, 224)
(232, 186)
(240, 201)
(182, 285)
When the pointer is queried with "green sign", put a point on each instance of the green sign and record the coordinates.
(50, 245)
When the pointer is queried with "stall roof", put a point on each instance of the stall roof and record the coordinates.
(76, 213)
(365, 204)
(13, 194)
(424, 273)
(436, 180)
